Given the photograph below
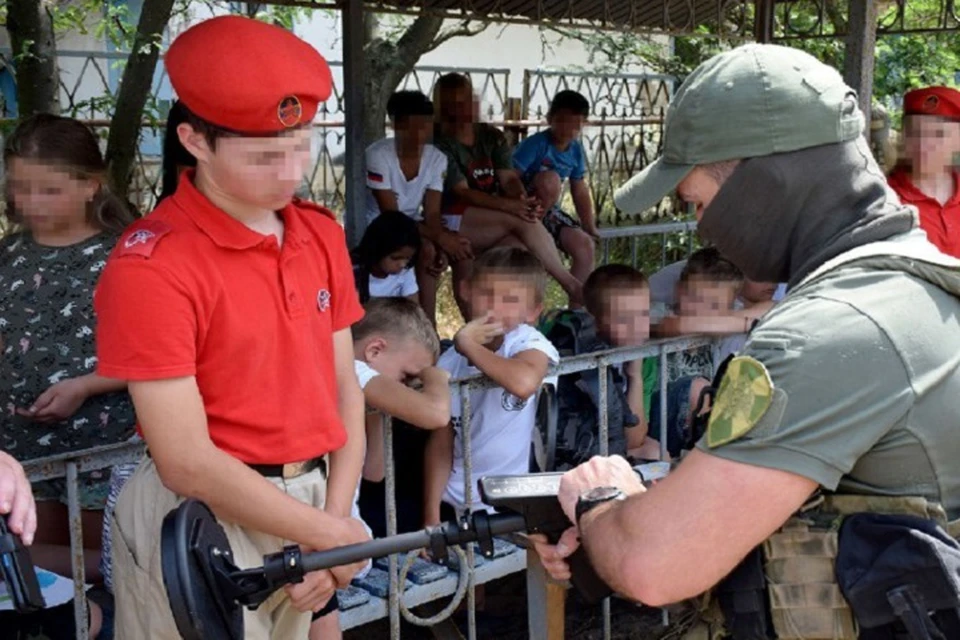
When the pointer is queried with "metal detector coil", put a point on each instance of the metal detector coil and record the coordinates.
(196, 558)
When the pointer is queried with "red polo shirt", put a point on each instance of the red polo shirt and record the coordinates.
(941, 222)
(190, 291)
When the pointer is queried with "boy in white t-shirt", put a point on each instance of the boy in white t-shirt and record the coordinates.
(393, 344)
(505, 296)
(406, 174)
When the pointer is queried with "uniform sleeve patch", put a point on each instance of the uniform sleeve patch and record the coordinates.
(745, 394)
(142, 238)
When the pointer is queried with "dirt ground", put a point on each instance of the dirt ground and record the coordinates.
(505, 618)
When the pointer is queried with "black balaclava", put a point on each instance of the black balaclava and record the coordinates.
(780, 217)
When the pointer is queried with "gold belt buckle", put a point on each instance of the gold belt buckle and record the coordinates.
(295, 469)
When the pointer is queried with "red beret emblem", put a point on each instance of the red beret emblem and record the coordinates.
(290, 111)
(931, 103)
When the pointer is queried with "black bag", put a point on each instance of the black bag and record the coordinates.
(578, 394)
(901, 577)
(742, 596)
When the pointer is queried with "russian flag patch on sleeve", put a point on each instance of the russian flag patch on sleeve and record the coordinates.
(374, 177)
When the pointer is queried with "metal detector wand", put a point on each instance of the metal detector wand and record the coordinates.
(206, 589)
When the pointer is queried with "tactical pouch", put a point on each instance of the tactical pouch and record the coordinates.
(805, 600)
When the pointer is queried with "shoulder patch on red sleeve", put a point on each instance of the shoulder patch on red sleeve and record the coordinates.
(141, 238)
(313, 206)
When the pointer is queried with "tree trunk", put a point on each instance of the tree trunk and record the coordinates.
(135, 87)
(387, 63)
(35, 56)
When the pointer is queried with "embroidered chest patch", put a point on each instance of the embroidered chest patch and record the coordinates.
(323, 299)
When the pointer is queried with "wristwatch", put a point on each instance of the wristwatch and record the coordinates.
(596, 497)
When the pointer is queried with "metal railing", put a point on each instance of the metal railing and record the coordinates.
(624, 134)
(619, 243)
(630, 239)
(70, 465)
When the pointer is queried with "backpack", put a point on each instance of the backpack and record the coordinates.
(574, 332)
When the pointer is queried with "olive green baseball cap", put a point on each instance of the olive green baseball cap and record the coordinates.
(753, 101)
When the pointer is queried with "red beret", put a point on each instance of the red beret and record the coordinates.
(247, 76)
(933, 101)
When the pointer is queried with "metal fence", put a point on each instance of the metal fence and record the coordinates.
(623, 136)
(399, 600)
(644, 246)
(626, 123)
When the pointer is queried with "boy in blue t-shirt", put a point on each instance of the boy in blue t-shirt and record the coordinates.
(548, 158)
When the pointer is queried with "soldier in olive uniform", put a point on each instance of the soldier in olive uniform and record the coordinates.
(849, 385)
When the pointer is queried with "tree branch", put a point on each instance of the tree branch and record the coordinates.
(463, 30)
(419, 36)
(835, 16)
(35, 56)
(388, 61)
(135, 86)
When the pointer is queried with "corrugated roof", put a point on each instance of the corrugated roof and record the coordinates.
(669, 16)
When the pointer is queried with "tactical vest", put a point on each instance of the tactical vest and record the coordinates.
(787, 589)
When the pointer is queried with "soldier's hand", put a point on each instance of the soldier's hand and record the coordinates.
(612, 471)
(313, 593)
(553, 557)
(353, 533)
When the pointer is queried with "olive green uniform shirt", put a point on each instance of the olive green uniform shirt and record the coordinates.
(865, 364)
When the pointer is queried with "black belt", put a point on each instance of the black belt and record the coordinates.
(292, 469)
(286, 471)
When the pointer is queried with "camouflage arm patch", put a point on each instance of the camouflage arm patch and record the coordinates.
(745, 394)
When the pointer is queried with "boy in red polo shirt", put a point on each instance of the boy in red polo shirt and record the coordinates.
(926, 176)
(228, 310)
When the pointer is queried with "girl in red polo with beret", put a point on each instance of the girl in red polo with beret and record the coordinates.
(926, 176)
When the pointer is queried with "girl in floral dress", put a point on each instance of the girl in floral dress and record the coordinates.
(60, 223)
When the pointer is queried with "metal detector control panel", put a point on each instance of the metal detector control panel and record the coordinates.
(541, 485)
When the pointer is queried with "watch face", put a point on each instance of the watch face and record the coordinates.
(601, 493)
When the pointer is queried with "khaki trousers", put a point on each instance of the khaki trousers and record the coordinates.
(142, 609)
